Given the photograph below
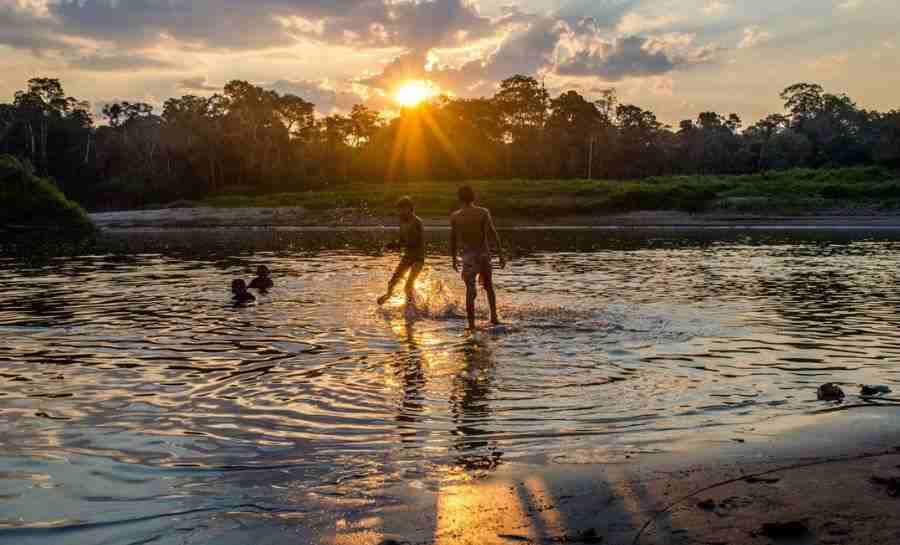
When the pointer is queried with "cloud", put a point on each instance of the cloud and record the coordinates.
(198, 84)
(552, 46)
(240, 24)
(120, 62)
(605, 13)
(635, 56)
(633, 23)
(849, 5)
(25, 26)
(529, 49)
(830, 65)
(754, 36)
(326, 98)
(449, 42)
(716, 8)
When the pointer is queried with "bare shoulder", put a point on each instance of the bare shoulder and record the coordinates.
(484, 212)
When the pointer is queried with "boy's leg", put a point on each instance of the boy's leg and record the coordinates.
(470, 277)
(487, 280)
(471, 294)
(414, 271)
(402, 267)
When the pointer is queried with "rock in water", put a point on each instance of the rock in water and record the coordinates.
(869, 391)
(830, 392)
(785, 530)
(891, 483)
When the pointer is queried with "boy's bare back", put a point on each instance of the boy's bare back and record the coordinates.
(472, 226)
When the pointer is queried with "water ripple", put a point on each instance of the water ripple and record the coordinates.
(134, 371)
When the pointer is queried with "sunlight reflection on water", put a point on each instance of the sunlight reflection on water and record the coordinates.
(131, 370)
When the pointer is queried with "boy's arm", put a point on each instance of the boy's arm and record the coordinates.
(419, 234)
(453, 244)
(495, 238)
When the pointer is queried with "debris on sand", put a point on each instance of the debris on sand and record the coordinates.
(785, 530)
(891, 483)
(762, 480)
(588, 536)
(708, 504)
(830, 392)
(869, 391)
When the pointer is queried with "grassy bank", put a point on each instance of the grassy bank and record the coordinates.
(28, 201)
(785, 192)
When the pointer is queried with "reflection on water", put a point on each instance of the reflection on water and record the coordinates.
(134, 395)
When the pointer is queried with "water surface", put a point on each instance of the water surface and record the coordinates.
(139, 406)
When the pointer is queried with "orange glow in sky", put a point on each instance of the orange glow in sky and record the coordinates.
(414, 92)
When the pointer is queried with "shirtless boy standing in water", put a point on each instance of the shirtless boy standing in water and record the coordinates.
(412, 233)
(473, 229)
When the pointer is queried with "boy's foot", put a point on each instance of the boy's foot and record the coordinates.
(383, 299)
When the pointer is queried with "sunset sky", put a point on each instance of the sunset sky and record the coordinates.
(675, 57)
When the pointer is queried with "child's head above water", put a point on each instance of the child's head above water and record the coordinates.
(238, 287)
(262, 282)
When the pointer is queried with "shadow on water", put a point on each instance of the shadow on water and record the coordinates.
(470, 407)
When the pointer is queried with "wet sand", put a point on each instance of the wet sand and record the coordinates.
(300, 217)
(814, 479)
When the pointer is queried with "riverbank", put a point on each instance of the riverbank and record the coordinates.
(30, 203)
(349, 217)
(826, 479)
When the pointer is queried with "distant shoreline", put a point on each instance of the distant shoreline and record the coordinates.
(212, 217)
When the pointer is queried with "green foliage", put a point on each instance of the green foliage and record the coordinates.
(793, 191)
(272, 149)
(27, 200)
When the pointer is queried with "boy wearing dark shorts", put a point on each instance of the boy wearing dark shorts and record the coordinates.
(412, 234)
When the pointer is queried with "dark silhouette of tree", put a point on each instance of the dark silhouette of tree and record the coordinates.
(249, 139)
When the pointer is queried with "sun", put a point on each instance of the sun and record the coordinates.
(413, 92)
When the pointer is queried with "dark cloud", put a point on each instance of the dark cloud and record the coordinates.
(241, 24)
(635, 56)
(120, 62)
(618, 60)
(23, 29)
(410, 65)
(198, 84)
(565, 43)
(228, 24)
(326, 100)
(417, 25)
(523, 52)
(550, 45)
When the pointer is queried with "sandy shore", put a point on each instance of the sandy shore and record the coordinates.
(300, 217)
(814, 479)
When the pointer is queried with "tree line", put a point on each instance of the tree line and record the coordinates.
(248, 139)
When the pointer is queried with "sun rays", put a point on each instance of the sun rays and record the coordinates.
(411, 93)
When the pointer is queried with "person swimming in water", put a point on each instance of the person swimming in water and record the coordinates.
(263, 281)
(472, 229)
(412, 234)
(240, 295)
